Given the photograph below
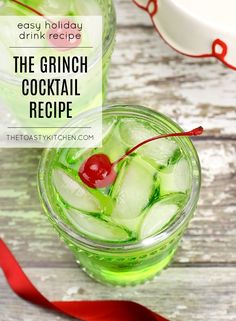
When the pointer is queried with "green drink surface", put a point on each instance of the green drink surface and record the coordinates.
(52, 7)
(93, 86)
(151, 189)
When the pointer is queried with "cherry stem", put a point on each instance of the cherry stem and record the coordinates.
(31, 9)
(28, 7)
(194, 132)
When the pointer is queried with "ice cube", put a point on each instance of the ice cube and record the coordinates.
(133, 132)
(157, 217)
(175, 178)
(55, 7)
(75, 156)
(107, 127)
(112, 144)
(133, 189)
(96, 227)
(74, 193)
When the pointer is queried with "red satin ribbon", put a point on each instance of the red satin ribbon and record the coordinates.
(83, 310)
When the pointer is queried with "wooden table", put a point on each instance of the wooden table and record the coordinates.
(201, 282)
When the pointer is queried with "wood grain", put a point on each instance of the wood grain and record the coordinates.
(191, 91)
(146, 71)
(194, 294)
(210, 239)
(201, 282)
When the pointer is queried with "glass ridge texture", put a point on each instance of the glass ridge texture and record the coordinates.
(124, 242)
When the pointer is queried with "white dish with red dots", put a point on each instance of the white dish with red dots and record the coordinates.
(196, 28)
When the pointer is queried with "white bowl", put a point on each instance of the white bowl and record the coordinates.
(196, 28)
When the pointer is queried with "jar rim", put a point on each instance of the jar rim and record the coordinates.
(185, 212)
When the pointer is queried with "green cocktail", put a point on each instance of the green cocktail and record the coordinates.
(10, 83)
(129, 231)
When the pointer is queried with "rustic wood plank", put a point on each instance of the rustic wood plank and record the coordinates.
(192, 91)
(146, 71)
(210, 239)
(129, 15)
(181, 294)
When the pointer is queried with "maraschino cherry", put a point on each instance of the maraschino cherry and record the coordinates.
(99, 172)
(63, 44)
(60, 44)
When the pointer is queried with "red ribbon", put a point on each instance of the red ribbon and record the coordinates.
(83, 310)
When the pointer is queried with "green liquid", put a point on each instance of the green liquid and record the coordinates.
(10, 90)
(152, 187)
